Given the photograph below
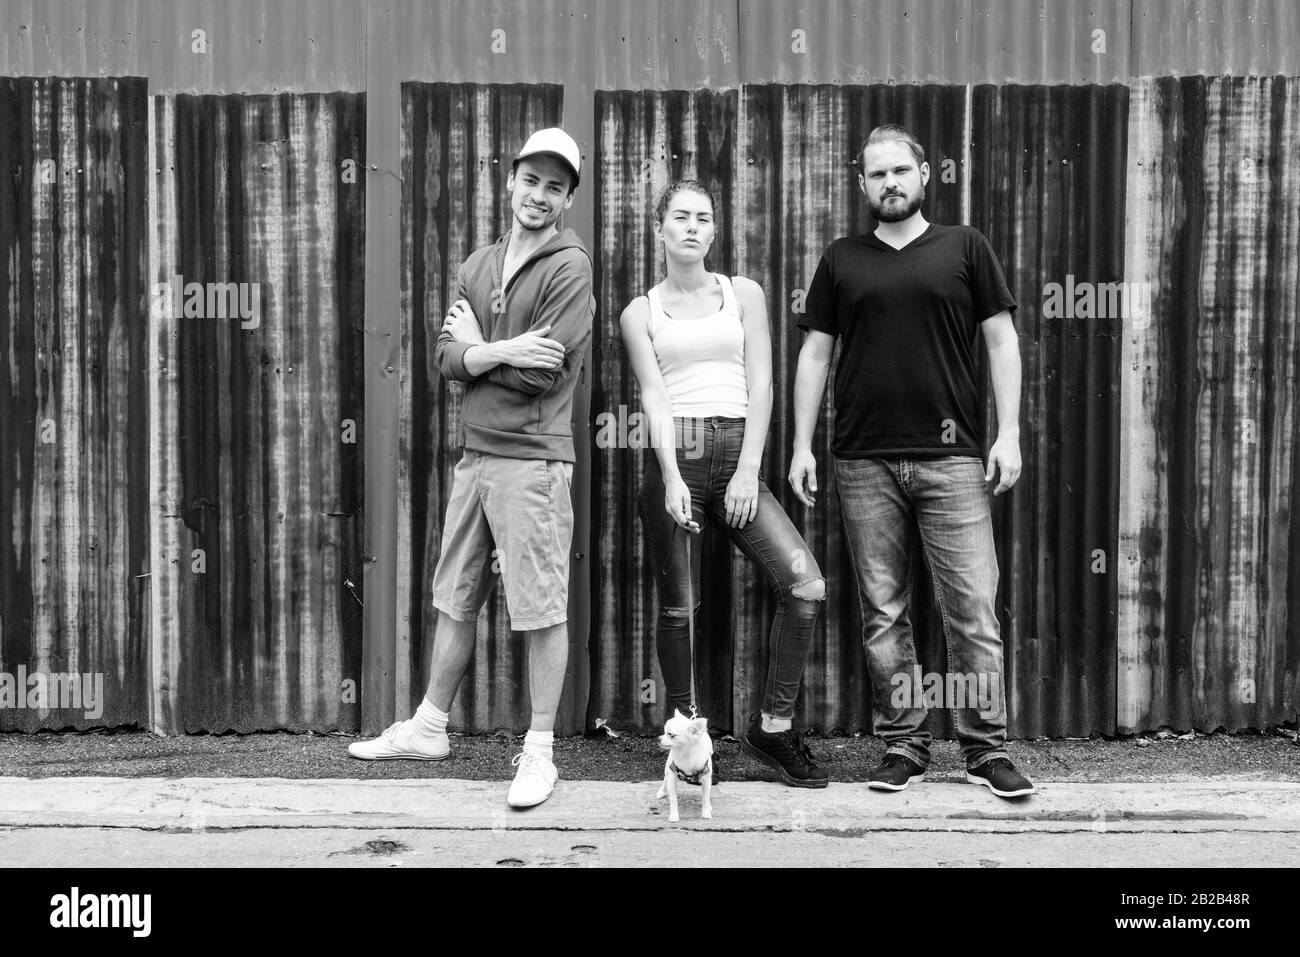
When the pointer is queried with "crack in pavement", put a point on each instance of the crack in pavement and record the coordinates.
(378, 848)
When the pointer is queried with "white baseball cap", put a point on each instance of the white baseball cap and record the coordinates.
(557, 143)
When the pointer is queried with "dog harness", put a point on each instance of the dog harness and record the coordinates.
(697, 778)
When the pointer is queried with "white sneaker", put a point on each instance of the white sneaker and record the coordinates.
(401, 741)
(534, 781)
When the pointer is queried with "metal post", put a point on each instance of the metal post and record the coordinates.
(382, 367)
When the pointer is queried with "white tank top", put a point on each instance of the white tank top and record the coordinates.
(702, 360)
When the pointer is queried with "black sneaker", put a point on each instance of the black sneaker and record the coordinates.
(786, 753)
(895, 773)
(1001, 777)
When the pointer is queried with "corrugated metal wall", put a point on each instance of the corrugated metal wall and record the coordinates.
(257, 420)
(647, 140)
(1047, 171)
(798, 174)
(73, 394)
(1054, 213)
(1215, 38)
(457, 144)
(935, 41)
(1147, 576)
(1210, 606)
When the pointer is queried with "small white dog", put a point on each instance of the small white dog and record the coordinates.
(690, 759)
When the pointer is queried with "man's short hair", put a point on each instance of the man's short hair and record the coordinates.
(892, 133)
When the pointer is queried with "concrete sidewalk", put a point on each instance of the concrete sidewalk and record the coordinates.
(234, 822)
(224, 803)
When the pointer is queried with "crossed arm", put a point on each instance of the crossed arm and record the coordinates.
(529, 362)
(532, 352)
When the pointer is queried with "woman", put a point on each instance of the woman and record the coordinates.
(699, 346)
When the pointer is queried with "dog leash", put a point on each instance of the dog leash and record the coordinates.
(690, 616)
(690, 619)
(690, 631)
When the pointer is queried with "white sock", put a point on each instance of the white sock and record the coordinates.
(772, 725)
(540, 742)
(429, 722)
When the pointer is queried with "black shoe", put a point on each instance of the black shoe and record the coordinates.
(895, 773)
(1001, 777)
(786, 753)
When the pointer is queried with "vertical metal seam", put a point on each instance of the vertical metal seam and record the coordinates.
(153, 633)
(967, 129)
(577, 111)
(381, 359)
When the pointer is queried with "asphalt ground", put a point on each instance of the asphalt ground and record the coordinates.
(689, 847)
(628, 758)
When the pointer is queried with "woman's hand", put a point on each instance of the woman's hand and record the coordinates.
(677, 500)
(741, 499)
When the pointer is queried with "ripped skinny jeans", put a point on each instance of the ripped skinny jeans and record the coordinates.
(708, 450)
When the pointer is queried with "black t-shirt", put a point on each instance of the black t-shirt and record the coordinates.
(909, 322)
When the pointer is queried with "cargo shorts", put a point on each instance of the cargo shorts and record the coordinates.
(513, 517)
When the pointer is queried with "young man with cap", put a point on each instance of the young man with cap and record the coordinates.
(908, 303)
(515, 335)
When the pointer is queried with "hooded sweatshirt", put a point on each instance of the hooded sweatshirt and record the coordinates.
(523, 413)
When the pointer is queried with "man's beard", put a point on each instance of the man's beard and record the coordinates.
(548, 220)
(887, 215)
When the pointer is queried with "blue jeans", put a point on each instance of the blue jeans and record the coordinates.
(708, 451)
(949, 501)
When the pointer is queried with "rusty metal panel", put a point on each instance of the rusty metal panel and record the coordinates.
(457, 141)
(855, 41)
(199, 46)
(511, 47)
(794, 191)
(1047, 165)
(935, 41)
(1216, 37)
(652, 44)
(74, 567)
(256, 419)
(1208, 604)
(645, 140)
(798, 175)
(790, 198)
(74, 38)
(1188, 584)
(666, 45)
(1050, 41)
(255, 46)
(505, 42)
